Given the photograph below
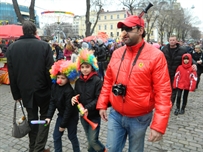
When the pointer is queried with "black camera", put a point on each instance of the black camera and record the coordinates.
(119, 89)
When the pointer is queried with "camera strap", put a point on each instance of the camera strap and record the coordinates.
(134, 62)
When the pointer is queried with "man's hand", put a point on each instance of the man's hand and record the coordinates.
(103, 114)
(154, 136)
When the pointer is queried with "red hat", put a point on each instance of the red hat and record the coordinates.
(131, 21)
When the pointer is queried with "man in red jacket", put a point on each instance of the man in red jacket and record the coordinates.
(136, 82)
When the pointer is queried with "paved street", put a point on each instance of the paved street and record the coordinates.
(184, 132)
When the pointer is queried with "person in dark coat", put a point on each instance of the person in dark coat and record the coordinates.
(87, 90)
(197, 56)
(94, 47)
(62, 74)
(29, 60)
(101, 57)
(59, 52)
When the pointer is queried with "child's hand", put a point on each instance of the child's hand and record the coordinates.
(74, 99)
(48, 120)
(86, 112)
(61, 129)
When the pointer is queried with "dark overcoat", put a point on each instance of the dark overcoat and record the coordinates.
(174, 59)
(29, 60)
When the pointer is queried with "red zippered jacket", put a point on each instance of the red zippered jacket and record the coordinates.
(185, 77)
(148, 85)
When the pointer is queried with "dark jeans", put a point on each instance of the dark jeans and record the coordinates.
(185, 96)
(72, 134)
(39, 133)
(101, 70)
(94, 145)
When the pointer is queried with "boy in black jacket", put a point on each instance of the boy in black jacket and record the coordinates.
(87, 90)
(62, 73)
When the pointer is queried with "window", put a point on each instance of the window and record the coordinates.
(105, 17)
(124, 15)
(111, 16)
(111, 34)
(117, 16)
(111, 26)
(105, 27)
(99, 27)
(117, 33)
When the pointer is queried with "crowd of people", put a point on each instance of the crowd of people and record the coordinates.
(136, 80)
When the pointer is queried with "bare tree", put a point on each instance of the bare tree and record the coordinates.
(18, 13)
(62, 30)
(17, 10)
(151, 17)
(195, 33)
(87, 20)
(161, 25)
(32, 11)
(97, 6)
(130, 4)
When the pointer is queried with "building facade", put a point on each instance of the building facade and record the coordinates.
(107, 22)
(8, 15)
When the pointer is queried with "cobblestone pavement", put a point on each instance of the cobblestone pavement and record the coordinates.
(184, 132)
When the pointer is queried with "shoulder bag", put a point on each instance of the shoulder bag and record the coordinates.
(20, 128)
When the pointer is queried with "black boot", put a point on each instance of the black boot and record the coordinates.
(176, 112)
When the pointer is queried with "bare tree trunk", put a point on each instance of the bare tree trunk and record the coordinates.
(32, 11)
(87, 21)
(17, 10)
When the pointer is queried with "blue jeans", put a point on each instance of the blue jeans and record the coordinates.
(94, 145)
(72, 134)
(119, 127)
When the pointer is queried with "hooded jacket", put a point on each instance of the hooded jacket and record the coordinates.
(185, 77)
(147, 84)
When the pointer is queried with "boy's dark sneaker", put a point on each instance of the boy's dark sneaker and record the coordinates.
(176, 112)
(182, 111)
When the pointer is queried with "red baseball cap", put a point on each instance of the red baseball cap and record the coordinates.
(131, 21)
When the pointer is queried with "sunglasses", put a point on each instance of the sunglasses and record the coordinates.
(127, 29)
